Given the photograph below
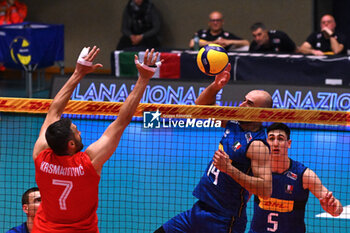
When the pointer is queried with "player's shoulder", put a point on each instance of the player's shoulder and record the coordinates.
(19, 229)
(43, 154)
(297, 166)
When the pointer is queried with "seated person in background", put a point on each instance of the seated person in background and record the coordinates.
(12, 11)
(31, 200)
(216, 34)
(270, 40)
(325, 42)
(140, 26)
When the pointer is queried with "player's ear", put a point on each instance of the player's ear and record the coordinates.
(289, 143)
(71, 144)
(25, 208)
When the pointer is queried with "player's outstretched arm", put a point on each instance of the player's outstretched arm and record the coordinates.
(328, 202)
(208, 96)
(259, 184)
(101, 150)
(84, 66)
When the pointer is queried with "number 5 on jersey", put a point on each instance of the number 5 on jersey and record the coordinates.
(69, 185)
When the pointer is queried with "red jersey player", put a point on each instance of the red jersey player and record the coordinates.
(68, 178)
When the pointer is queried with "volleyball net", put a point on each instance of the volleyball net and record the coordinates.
(151, 176)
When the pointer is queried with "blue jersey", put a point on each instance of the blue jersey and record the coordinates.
(284, 211)
(19, 229)
(218, 189)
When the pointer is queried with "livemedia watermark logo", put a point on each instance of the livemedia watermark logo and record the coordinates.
(153, 120)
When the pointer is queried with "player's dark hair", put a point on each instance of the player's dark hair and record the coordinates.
(257, 25)
(58, 135)
(25, 196)
(279, 126)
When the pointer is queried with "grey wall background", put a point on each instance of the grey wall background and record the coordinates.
(89, 22)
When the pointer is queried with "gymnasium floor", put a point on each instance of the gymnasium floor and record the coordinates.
(152, 175)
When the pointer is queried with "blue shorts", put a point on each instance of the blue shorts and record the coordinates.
(203, 218)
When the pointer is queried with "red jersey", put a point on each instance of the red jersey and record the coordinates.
(69, 193)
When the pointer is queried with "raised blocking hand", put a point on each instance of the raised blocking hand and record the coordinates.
(85, 61)
(149, 65)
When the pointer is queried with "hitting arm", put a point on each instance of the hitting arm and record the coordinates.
(261, 182)
(208, 96)
(61, 99)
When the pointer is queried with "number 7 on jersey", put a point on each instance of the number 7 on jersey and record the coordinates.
(69, 185)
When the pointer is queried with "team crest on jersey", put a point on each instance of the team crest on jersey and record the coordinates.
(248, 136)
(292, 175)
(236, 146)
(227, 132)
(289, 188)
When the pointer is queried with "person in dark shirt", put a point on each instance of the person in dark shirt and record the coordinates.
(326, 41)
(217, 35)
(270, 40)
(31, 200)
(140, 26)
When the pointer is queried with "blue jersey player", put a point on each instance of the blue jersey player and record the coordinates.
(242, 164)
(284, 210)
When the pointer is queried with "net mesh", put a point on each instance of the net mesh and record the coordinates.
(151, 176)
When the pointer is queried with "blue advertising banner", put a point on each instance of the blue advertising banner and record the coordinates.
(95, 88)
(31, 44)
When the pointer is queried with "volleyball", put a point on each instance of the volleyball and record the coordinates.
(212, 59)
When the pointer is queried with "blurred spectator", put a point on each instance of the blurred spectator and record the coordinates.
(325, 42)
(270, 40)
(12, 11)
(216, 34)
(140, 26)
(31, 200)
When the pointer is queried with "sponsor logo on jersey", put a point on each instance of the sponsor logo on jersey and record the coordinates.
(289, 188)
(236, 146)
(274, 204)
(292, 175)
